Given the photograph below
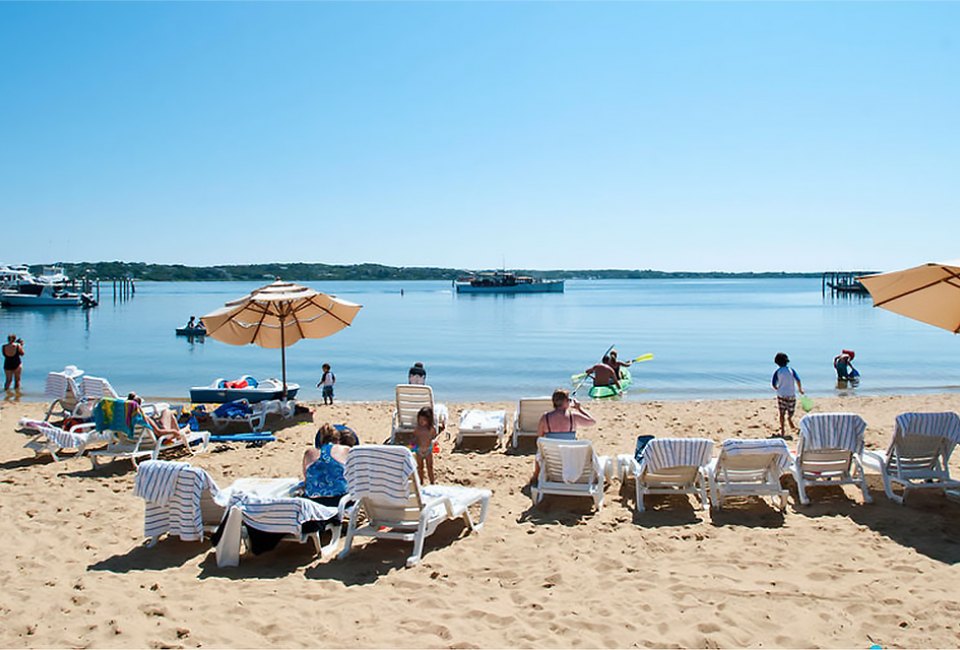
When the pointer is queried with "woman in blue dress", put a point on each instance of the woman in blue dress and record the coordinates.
(323, 479)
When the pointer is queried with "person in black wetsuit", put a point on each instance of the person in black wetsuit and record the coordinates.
(12, 364)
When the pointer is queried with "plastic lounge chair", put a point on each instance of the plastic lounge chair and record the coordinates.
(268, 505)
(829, 453)
(52, 439)
(475, 423)
(179, 500)
(525, 422)
(96, 388)
(253, 415)
(131, 436)
(65, 394)
(749, 468)
(383, 481)
(919, 454)
(410, 399)
(569, 468)
(671, 466)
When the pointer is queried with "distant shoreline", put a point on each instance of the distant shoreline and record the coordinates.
(313, 272)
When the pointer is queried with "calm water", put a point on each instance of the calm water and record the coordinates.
(711, 338)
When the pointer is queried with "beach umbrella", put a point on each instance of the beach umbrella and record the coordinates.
(279, 315)
(929, 293)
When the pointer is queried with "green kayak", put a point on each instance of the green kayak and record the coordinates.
(605, 392)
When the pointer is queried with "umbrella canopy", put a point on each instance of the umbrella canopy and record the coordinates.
(929, 293)
(279, 315)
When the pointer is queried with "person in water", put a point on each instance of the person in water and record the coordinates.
(566, 416)
(843, 364)
(603, 374)
(616, 364)
(12, 363)
(192, 323)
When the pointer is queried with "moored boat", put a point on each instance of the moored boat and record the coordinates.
(44, 295)
(191, 331)
(248, 388)
(505, 282)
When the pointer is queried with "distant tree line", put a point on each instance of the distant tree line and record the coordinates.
(303, 272)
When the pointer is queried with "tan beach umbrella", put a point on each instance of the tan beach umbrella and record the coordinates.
(278, 315)
(929, 293)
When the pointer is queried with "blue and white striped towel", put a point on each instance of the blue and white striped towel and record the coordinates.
(381, 472)
(737, 447)
(823, 431)
(57, 385)
(173, 492)
(661, 453)
(945, 424)
(283, 515)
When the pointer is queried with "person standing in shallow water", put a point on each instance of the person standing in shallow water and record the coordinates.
(12, 363)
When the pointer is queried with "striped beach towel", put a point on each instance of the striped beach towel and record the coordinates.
(173, 492)
(823, 431)
(736, 447)
(285, 515)
(381, 472)
(63, 439)
(57, 386)
(946, 425)
(662, 453)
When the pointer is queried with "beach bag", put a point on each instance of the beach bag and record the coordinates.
(642, 442)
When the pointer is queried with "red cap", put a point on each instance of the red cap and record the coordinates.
(849, 353)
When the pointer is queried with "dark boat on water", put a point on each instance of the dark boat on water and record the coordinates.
(505, 282)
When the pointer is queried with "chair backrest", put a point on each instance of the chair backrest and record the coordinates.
(668, 453)
(123, 417)
(553, 454)
(529, 411)
(97, 387)
(63, 387)
(829, 442)
(746, 459)
(384, 479)
(923, 442)
(410, 399)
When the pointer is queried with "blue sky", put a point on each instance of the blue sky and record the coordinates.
(674, 136)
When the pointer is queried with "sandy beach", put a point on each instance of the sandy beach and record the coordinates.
(837, 573)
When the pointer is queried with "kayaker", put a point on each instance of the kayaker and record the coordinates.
(192, 323)
(616, 364)
(603, 374)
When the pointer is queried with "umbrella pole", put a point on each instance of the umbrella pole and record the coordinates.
(283, 359)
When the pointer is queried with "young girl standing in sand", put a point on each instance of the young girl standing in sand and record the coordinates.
(423, 438)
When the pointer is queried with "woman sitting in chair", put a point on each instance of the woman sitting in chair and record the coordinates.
(323, 479)
(164, 423)
(562, 421)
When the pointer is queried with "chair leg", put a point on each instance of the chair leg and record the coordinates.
(867, 498)
(801, 488)
(640, 493)
(414, 559)
(351, 530)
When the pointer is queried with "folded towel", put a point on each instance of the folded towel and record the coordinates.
(945, 424)
(662, 453)
(736, 447)
(477, 420)
(824, 431)
(380, 471)
(284, 515)
(574, 458)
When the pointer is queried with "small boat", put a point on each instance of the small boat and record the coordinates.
(193, 331)
(505, 282)
(44, 295)
(605, 392)
(248, 388)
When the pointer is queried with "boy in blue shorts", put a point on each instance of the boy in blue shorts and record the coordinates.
(786, 382)
(327, 380)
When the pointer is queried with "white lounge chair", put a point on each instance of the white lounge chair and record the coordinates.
(64, 392)
(569, 468)
(256, 419)
(829, 453)
(477, 424)
(671, 466)
(527, 418)
(131, 437)
(95, 388)
(410, 398)
(52, 439)
(749, 468)
(919, 454)
(383, 481)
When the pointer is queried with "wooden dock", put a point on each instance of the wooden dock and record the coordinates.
(843, 283)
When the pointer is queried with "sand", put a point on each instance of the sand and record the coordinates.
(835, 574)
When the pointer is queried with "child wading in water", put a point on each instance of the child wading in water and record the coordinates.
(786, 382)
(423, 438)
(327, 380)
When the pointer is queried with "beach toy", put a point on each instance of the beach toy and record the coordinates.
(806, 403)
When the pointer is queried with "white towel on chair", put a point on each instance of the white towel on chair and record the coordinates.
(833, 431)
(380, 471)
(574, 458)
(945, 424)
